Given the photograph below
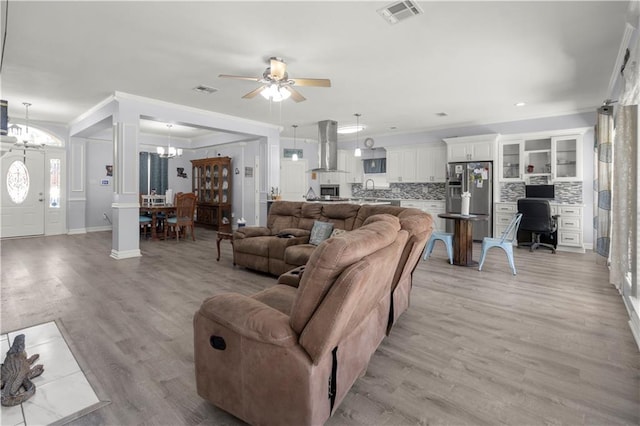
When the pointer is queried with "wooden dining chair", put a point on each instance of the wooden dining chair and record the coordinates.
(144, 219)
(185, 208)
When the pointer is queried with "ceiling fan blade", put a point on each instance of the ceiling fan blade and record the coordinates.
(239, 77)
(295, 95)
(278, 69)
(317, 82)
(252, 94)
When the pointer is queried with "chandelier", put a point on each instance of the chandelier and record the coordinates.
(170, 151)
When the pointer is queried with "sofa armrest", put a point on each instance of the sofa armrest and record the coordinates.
(251, 231)
(250, 318)
(292, 278)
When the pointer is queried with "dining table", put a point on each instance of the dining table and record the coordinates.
(154, 210)
(463, 236)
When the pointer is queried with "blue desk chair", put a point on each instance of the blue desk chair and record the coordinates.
(505, 242)
(446, 238)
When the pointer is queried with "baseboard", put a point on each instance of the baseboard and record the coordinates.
(100, 228)
(77, 231)
(125, 254)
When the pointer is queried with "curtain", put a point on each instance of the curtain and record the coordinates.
(154, 173)
(603, 158)
(624, 201)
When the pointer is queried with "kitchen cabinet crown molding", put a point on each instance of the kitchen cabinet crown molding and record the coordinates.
(491, 137)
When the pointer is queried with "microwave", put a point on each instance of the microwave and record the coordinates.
(330, 190)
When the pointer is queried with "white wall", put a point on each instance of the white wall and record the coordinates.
(99, 153)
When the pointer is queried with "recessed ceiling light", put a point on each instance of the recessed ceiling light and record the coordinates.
(441, 114)
(205, 89)
(520, 104)
(345, 130)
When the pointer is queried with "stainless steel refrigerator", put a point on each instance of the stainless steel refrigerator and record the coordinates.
(477, 179)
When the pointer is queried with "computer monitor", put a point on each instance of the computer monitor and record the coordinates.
(540, 191)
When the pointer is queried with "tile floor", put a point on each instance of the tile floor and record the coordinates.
(61, 391)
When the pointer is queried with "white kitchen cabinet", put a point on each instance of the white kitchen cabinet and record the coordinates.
(431, 164)
(570, 235)
(401, 165)
(418, 163)
(351, 165)
(329, 178)
(510, 167)
(566, 158)
(433, 207)
(547, 154)
(471, 148)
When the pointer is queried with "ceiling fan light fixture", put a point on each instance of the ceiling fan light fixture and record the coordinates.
(275, 93)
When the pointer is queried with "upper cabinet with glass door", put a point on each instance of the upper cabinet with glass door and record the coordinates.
(558, 158)
(510, 161)
(567, 158)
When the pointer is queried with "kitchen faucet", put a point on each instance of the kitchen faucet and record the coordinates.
(366, 183)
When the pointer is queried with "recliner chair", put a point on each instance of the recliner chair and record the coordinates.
(537, 222)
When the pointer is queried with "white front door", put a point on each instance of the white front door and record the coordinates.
(293, 179)
(22, 209)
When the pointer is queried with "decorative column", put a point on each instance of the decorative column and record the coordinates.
(125, 207)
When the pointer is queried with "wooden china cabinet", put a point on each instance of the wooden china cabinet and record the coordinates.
(212, 179)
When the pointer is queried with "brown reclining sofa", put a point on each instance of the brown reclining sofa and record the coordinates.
(260, 248)
(288, 355)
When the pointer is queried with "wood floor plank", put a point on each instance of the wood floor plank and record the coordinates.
(550, 345)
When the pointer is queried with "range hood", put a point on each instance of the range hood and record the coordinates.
(327, 147)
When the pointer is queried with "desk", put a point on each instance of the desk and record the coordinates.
(154, 210)
(463, 237)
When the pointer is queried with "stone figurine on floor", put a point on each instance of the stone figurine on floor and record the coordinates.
(17, 374)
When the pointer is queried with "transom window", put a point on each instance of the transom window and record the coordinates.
(35, 135)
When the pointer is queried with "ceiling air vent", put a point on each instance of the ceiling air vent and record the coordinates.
(399, 11)
(205, 89)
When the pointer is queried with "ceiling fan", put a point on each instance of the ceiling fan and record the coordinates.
(277, 85)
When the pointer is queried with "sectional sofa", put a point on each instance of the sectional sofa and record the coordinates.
(284, 243)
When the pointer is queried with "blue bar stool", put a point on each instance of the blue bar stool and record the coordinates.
(446, 238)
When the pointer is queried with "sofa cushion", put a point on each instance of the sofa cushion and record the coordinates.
(298, 255)
(320, 232)
(283, 215)
(257, 245)
(309, 213)
(328, 261)
(342, 216)
(279, 297)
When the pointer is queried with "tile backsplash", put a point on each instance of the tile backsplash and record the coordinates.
(418, 191)
(566, 192)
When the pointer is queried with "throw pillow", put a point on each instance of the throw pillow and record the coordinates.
(320, 232)
(337, 231)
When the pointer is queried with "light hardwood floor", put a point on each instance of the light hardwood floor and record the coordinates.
(548, 346)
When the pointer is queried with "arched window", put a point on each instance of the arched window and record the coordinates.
(35, 135)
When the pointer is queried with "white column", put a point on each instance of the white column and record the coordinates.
(77, 197)
(125, 207)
